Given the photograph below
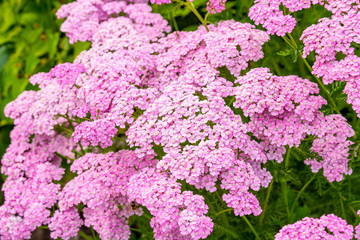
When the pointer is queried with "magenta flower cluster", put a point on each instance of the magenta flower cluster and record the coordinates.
(144, 110)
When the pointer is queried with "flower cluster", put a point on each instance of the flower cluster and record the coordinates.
(332, 146)
(172, 101)
(327, 38)
(175, 213)
(271, 16)
(215, 6)
(281, 109)
(331, 36)
(327, 227)
(31, 167)
(101, 186)
(268, 14)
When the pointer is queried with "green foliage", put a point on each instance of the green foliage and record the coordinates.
(30, 42)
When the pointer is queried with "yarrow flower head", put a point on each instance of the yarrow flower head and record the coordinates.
(327, 227)
(176, 213)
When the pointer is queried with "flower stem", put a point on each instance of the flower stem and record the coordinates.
(93, 234)
(192, 8)
(299, 194)
(147, 216)
(266, 202)
(82, 234)
(284, 189)
(251, 228)
(292, 43)
(82, 149)
(206, 16)
(224, 211)
(322, 86)
(62, 156)
(287, 158)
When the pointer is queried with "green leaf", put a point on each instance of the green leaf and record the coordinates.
(10, 36)
(223, 230)
(301, 212)
(31, 62)
(53, 42)
(7, 17)
(285, 52)
(28, 18)
(293, 53)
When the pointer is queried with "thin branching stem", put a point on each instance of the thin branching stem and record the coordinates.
(193, 9)
(266, 202)
(299, 194)
(224, 211)
(292, 43)
(251, 228)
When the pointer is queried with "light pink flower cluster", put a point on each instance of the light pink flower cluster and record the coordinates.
(329, 37)
(101, 186)
(98, 132)
(327, 227)
(267, 13)
(31, 167)
(332, 146)
(271, 16)
(176, 215)
(31, 162)
(215, 6)
(66, 74)
(283, 110)
(200, 146)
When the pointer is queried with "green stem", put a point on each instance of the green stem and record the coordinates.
(251, 228)
(287, 158)
(266, 202)
(288, 42)
(206, 16)
(224, 211)
(70, 122)
(174, 22)
(342, 206)
(340, 199)
(93, 233)
(231, 101)
(293, 44)
(147, 216)
(322, 86)
(292, 40)
(299, 194)
(82, 149)
(284, 183)
(284, 189)
(62, 156)
(82, 234)
(65, 129)
(135, 229)
(192, 8)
